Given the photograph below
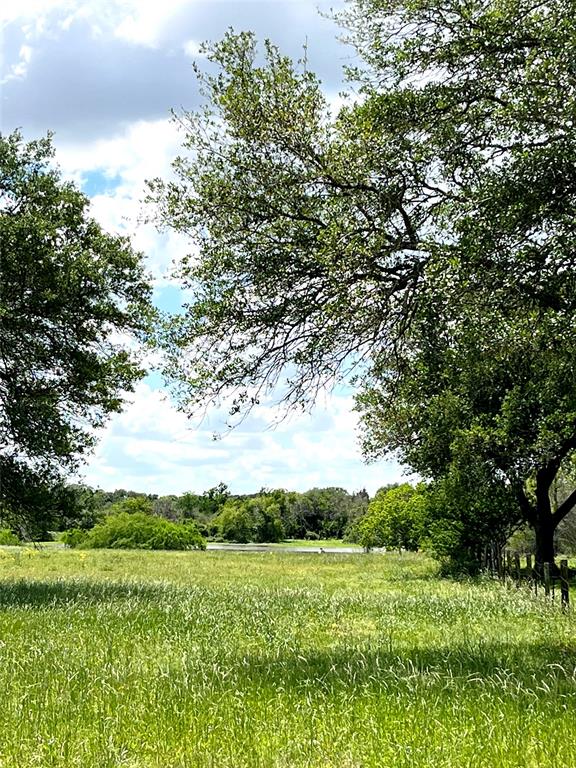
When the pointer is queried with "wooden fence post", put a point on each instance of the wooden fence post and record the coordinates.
(564, 584)
(501, 563)
(517, 569)
(537, 575)
(486, 558)
(547, 579)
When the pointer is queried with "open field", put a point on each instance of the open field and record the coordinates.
(165, 660)
(324, 543)
(322, 546)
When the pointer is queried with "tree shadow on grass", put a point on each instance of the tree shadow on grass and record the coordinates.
(375, 666)
(31, 593)
(376, 669)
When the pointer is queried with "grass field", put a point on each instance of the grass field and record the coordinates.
(327, 543)
(166, 660)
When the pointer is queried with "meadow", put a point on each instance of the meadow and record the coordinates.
(172, 660)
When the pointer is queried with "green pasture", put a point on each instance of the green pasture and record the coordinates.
(327, 543)
(166, 660)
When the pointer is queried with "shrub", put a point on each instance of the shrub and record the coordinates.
(141, 531)
(395, 518)
(467, 510)
(8, 538)
(74, 537)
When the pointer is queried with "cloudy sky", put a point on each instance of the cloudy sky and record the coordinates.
(103, 75)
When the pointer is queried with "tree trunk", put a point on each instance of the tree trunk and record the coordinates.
(545, 528)
(545, 522)
(540, 516)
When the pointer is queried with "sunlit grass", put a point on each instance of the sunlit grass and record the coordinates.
(315, 544)
(236, 659)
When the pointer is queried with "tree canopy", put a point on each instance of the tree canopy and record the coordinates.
(395, 519)
(422, 238)
(71, 298)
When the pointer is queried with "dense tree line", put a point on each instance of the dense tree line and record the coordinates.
(266, 516)
(400, 517)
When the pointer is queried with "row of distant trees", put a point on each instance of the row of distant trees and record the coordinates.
(266, 516)
(399, 517)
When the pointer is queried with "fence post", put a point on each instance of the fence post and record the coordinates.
(537, 575)
(564, 584)
(547, 579)
(483, 558)
(517, 569)
(501, 563)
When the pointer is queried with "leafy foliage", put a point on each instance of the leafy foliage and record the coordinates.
(73, 537)
(131, 505)
(255, 519)
(34, 505)
(480, 384)
(205, 506)
(8, 538)
(288, 215)
(69, 290)
(267, 516)
(138, 530)
(323, 512)
(395, 519)
(466, 512)
(423, 238)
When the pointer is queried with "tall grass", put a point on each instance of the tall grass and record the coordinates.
(149, 660)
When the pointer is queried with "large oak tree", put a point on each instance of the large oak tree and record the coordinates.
(423, 238)
(71, 298)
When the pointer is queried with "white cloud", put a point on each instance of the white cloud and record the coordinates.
(143, 22)
(143, 150)
(20, 69)
(136, 21)
(154, 448)
(25, 10)
(192, 48)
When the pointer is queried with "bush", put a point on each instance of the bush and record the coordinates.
(74, 537)
(467, 510)
(395, 519)
(138, 530)
(8, 538)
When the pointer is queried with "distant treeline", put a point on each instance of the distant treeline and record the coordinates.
(270, 515)
(399, 516)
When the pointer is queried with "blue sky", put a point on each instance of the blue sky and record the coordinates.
(103, 75)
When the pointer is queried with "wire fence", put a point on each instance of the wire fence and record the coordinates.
(550, 579)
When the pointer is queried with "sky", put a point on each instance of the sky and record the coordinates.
(103, 76)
